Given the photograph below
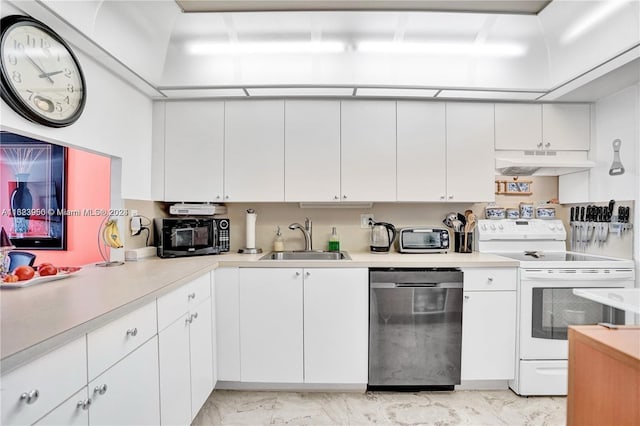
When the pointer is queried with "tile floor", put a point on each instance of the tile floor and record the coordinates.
(501, 407)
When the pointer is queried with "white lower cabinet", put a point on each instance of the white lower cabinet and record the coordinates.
(186, 363)
(336, 325)
(303, 325)
(73, 412)
(227, 313)
(489, 325)
(128, 393)
(271, 339)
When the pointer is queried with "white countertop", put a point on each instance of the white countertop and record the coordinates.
(37, 319)
(627, 299)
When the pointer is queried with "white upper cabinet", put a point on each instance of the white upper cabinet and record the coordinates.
(421, 151)
(194, 146)
(566, 127)
(470, 152)
(254, 150)
(518, 126)
(312, 150)
(368, 149)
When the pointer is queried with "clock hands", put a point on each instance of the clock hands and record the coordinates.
(35, 64)
(48, 74)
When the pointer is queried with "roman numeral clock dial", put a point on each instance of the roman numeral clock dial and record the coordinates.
(41, 77)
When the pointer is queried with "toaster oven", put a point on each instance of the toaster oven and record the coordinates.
(423, 239)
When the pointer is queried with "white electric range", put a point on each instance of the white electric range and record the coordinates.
(546, 303)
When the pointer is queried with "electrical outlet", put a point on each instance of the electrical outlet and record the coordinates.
(136, 225)
(366, 220)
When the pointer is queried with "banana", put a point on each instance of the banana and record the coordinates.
(111, 234)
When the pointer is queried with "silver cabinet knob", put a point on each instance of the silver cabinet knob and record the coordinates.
(344, 197)
(191, 296)
(217, 197)
(84, 404)
(442, 197)
(547, 145)
(194, 316)
(466, 297)
(490, 280)
(335, 197)
(308, 274)
(226, 197)
(451, 197)
(133, 332)
(31, 396)
(297, 274)
(188, 320)
(539, 145)
(101, 390)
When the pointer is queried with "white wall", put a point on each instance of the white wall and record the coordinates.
(117, 121)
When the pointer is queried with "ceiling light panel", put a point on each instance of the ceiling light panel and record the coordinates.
(443, 48)
(300, 91)
(395, 92)
(266, 47)
(489, 94)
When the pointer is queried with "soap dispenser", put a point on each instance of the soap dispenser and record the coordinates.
(334, 241)
(278, 242)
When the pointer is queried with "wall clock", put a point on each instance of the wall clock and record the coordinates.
(41, 78)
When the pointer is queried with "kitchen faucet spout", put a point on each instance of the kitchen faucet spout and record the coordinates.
(306, 231)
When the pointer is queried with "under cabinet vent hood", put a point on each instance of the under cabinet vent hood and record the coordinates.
(541, 163)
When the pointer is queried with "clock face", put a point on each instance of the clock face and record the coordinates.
(41, 78)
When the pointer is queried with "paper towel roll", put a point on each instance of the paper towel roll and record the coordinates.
(251, 229)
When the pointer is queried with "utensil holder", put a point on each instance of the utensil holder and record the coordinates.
(459, 245)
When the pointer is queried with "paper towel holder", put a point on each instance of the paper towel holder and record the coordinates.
(250, 234)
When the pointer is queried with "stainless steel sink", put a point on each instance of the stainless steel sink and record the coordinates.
(306, 255)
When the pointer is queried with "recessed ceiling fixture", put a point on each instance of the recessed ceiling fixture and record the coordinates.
(265, 47)
(396, 92)
(443, 48)
(599, 13)
(299, 91)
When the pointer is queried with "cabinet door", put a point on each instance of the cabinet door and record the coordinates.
(488, 335)
(72, 412)
(131, 395)
(470, 152)
(228, 324)
(421, 151)
(254, 150)
(518, 126)
(566, 127)
(271, 325)
(194, 146)
(336, 325)
(312, 150)
(175, 374)
(368, 133)
(201, 356)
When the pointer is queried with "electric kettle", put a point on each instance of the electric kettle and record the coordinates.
(382, 236)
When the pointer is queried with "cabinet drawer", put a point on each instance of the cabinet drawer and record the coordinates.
(115, 340)
(490, 279)
(53, 377)
(69, 413)
(171, 306)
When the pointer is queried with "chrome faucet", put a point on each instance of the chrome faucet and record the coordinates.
(306, 231)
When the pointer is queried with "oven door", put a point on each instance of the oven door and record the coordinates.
(548, 306)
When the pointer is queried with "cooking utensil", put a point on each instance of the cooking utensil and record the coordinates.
(616, 167)
(469, 226)
(448, 219)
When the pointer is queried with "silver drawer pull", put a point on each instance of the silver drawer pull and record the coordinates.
(188, 320)
(194, 316)
(84, 404)
(101, 390)
(490, 280)
(133, 332)
(191, 296)
(31, 396)
(466, 297)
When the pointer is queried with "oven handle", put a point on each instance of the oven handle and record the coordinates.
(416, 285)
(577, 276)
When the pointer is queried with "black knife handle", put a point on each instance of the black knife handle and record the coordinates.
(582, 213)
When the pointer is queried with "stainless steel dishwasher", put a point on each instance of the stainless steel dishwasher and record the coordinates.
(415, 328)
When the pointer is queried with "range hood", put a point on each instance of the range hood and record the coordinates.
(541, 163)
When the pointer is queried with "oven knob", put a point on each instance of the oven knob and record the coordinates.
(552, 226)
(500, 226)
(493, 227)
(484, 227)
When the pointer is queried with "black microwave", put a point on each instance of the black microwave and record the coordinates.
(191, 236)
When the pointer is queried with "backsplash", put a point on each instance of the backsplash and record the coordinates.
(148, 209)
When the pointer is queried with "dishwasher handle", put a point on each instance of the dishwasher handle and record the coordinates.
(416, 285)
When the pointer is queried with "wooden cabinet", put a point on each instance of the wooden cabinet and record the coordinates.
(421, 151)
(31, 391)
(368, 134)
(470, 152)
(254, 150)
(73, 412)
(518, 126)
(186, 353)
(128, 392)
(336, 324)
(604, 376)
(194, 148)
(489, 324)
(227, 310)
(312, 150)
(271, 338)
(555, 127)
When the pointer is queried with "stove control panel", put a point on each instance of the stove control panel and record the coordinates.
(521, 229)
